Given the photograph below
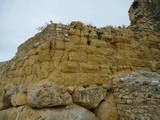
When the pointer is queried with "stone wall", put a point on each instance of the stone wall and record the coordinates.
(134, 96)
(137, 96)
(76, 54)
(66, 71)
(49, 101)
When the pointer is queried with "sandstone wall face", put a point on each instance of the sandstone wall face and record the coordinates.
(83, 59)
(145, 15)
(81, 55)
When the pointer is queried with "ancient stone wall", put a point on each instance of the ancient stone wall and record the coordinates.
(137, 96)
(46, 100)
(130, 97)
(84, 59)
(67, 72)
(81, 55)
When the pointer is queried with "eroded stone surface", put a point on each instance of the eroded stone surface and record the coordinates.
(107, 110)
(145, 15)
(83, 55)
(137, 96)
(48, 95)
(19, 99)
(26, 113)
(89, 97)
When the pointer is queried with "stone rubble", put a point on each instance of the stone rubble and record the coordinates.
(137, 96)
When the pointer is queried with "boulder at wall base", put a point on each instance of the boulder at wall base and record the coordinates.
(48, 95)
(19, 99)
(89, 97)
(5, 96)
(107, 110)
(70, 112)
(8, 114)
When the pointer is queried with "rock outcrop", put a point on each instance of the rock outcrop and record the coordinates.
(145, 15)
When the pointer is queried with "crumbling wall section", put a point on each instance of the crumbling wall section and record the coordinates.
(145, 16)
(137, 96)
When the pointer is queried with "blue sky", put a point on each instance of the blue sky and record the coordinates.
(20, 18)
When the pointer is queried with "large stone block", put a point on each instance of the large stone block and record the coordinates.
(48, 95)
(19, 99)
(70, 67)
(89, 97)
(8, 114)
(71, 112)
(89, 68)
(107, 110)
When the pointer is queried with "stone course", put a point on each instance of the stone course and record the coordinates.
(60, 54)
(89, 97)
(26, 113)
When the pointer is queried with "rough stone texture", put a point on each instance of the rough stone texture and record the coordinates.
(72, 55)
(107, 110)
(64, 53)
(1, 63)
(6, 95)
(89, 97)
(8, 114)
(145, 15)
(19, 99)
(82, 55)
(137, 96)
(48, 95)
(26, 113)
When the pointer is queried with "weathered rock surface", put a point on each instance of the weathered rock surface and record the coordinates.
(48, 95)
(107, 110)
(61, 54)
(82, 55)
(137, 96)
(89, 97)
(145, 15)
(19, 99)
(26, 113)
(8, 114)
(6, 96)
